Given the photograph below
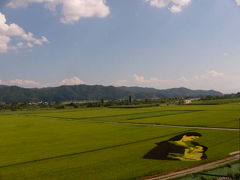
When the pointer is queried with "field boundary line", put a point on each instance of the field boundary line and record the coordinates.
(194, 169)
(182, 126)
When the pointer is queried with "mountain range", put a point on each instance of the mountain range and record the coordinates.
(11, 94)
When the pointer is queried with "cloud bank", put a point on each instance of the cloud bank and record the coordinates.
(34, 84)
(175, 6)
(9, 32)
(25, 83)
(71, 10)
(209, 80)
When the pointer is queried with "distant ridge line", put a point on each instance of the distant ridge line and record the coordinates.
(11, 94)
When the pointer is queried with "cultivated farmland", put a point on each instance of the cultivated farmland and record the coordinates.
(108, 143)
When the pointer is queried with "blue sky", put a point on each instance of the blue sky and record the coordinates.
(149, 43)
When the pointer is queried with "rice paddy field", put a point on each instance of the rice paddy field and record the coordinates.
(108, 143)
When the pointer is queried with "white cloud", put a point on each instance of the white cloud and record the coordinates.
(158, 3)
(30, 45)
(183, 79)
(175, 9)
(139, 78)
(142, 80)
(72, 81)
(71, 10)
(215, 74)
(175, 6)
(226, 54)
(121, 83)
(4, 40)
(238, 2)
(210, 75)
(24, 83)
(9, 32)
(2, 82)
(34, 84)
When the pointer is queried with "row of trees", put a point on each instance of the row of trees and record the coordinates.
(124, 103)
(226, 96)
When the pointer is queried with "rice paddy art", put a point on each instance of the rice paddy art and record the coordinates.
(181, 147)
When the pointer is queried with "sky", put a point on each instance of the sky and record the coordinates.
(148, 43)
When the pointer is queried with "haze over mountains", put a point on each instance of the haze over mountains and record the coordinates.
(10, 94)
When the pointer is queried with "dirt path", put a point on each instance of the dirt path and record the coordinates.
(181, 126)
(196, 169)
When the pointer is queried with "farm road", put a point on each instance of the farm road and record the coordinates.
(179, 126)
(196, 169)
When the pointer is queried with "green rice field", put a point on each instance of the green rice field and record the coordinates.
(228, 171)
(108, 143)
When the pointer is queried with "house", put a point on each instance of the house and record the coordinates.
(188, 101)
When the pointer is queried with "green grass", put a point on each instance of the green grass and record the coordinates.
(224, 171)
(208, 118)
(77, 144)
(196, 115)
